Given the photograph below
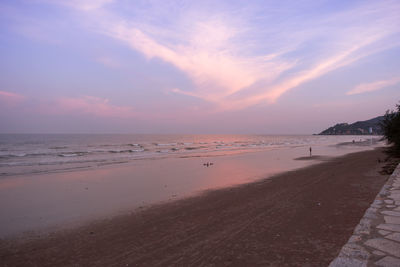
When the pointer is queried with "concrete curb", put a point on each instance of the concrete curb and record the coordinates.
(376, 239)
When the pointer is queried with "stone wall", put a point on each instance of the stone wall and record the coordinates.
(376, 239)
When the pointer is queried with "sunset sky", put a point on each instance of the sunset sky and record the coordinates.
(266, 67)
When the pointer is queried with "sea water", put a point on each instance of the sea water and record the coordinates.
(38, 153)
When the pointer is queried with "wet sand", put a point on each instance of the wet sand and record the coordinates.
(298, 218)
(313, 158)
(43, 201)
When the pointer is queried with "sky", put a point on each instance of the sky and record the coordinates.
(196, 67)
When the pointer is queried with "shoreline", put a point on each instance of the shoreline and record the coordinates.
(301, 217)
(42, 168)
(67, 199)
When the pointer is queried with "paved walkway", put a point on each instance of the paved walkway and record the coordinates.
(376, 240)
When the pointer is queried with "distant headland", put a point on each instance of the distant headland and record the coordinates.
(368, 127)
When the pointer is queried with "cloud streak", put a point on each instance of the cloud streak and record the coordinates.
(91, 105)
(236, 58)
(108, 62)
(84, 105)
(373, 86)
(213, 66)
(84, 5)
(11, 99)
(217, 54)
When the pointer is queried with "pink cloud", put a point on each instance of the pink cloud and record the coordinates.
(109, 62)
(85, 5)
(209, 59)
(219, 73)
(337, 60)
(11, 99)
(373, 86)
(95, 106)
(221, 53)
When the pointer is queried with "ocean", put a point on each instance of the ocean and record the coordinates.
(40, 153)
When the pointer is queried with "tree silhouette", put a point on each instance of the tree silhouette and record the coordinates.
(391, 128)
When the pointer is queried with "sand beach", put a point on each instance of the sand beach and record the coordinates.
(196, 133)
(297, 218)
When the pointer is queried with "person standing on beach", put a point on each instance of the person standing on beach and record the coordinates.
(310, 151)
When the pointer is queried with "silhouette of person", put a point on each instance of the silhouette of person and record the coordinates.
(310, 151)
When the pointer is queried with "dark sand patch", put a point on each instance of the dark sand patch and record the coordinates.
(298, 218)
(362, 143)
(316, 157)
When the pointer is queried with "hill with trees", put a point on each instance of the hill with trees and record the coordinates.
(368, 127)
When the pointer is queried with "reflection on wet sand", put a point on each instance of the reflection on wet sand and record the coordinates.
(38, 201)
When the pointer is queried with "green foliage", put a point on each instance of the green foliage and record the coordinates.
(391, 128)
